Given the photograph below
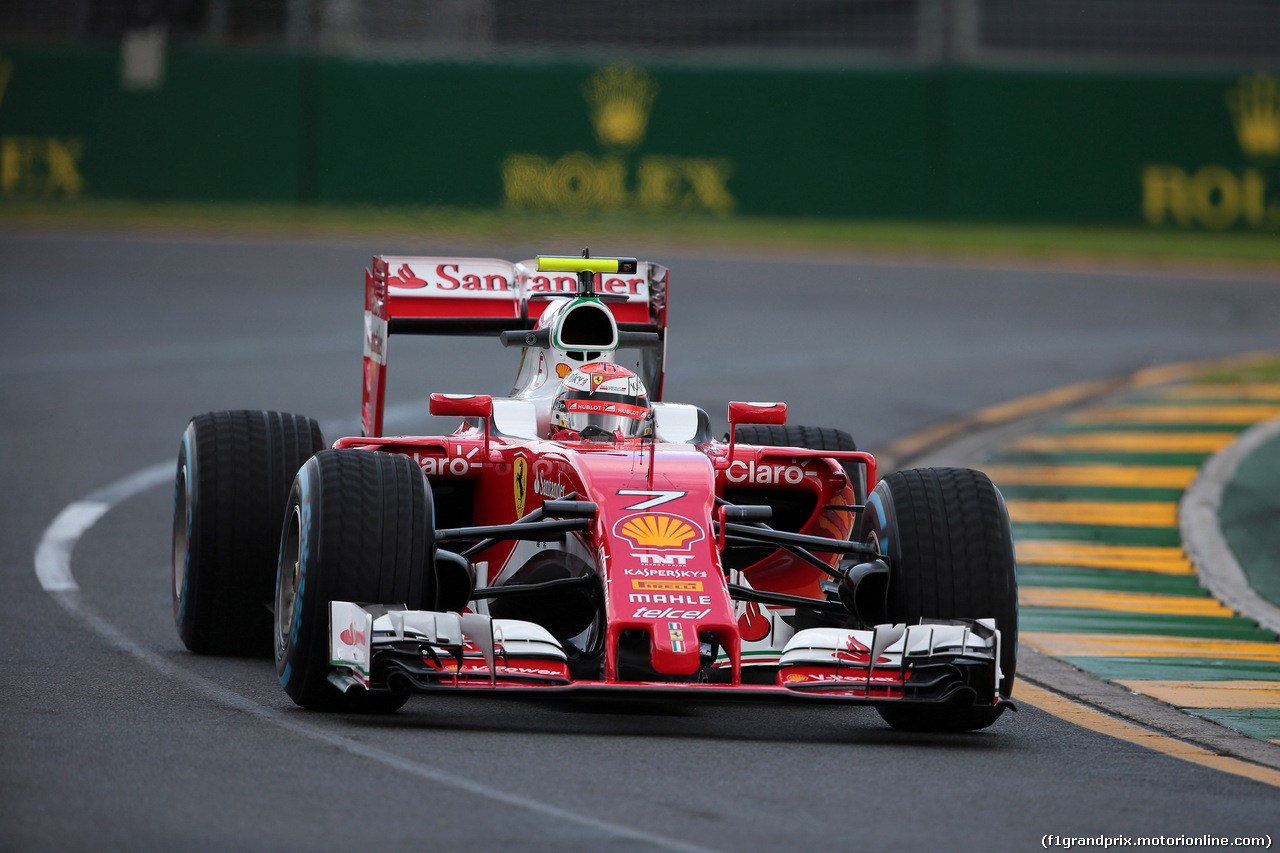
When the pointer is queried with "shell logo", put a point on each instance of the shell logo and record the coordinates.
(659, 530)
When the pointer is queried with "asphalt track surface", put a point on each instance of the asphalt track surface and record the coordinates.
(113, 737)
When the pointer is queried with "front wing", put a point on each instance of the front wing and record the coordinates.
(945, 661)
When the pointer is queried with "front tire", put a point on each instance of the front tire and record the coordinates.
(358, 527)
(234, 472)
(949, 545)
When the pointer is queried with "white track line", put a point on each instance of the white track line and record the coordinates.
(53, 569)
(53, 555)
(1202, 535)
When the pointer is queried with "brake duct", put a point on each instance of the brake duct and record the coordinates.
(864, 591)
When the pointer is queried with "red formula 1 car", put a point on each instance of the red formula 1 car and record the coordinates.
(583, 536)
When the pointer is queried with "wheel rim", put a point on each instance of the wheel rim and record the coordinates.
(181, 532)
(287, 581)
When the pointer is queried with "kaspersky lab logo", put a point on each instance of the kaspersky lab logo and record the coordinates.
(1219, 196)
(620, 101)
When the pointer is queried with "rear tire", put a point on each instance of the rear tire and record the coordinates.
(234, 474)
(358, 527)
(949, 545)
(813, 438)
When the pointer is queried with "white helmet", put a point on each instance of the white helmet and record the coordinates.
(602, 399)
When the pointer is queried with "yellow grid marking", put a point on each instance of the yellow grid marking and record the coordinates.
(1211, 694)
(1235, 391)
(1094, 599)
(1088, 718)
(1139, 476)
(1123, 442)
(1147, 645)
(1162, 559)
(1106, 513)
(1237, 414)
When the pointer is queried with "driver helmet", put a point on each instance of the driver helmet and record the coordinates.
(603, 399)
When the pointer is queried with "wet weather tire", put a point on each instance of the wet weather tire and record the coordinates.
(951, 556)
(234, 473)
(358, 527)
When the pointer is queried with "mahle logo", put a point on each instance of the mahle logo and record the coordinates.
(1255, 110)
(620, 99)
(1217, 196)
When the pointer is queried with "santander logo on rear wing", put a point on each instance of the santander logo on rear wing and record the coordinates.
(449, 287)
(452, 287)
(470, 296)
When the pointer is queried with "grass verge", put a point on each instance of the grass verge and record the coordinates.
(1263, 371)
(619, 231)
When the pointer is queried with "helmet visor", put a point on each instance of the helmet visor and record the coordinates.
(615, 414)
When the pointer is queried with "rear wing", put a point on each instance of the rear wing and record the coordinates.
(486, 296)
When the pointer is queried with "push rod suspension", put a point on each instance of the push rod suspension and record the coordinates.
(742, 593)
(813, 543)
(522, 588)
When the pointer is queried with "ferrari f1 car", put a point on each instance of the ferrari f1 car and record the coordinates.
(581, 535)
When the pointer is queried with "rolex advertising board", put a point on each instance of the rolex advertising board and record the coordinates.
(620, 137)
(619, 99)
(1183, 151)
(216, 127)
(1240, 190)
(1168, 151)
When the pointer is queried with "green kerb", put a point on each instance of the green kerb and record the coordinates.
(1067, 620)
(1176, 669)
(1111, 580)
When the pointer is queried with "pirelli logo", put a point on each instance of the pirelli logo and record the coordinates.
(667, 586)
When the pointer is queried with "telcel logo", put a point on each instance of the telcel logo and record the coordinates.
(669, 613)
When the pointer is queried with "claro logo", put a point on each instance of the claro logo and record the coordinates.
(765, 475)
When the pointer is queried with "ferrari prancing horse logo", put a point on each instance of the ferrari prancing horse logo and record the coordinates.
(521, 484)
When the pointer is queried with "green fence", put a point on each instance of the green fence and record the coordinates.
(1169, 150)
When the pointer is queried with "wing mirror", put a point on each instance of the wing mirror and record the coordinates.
(757, 413)
(465, 406)
(752, 413)
(462, 405)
